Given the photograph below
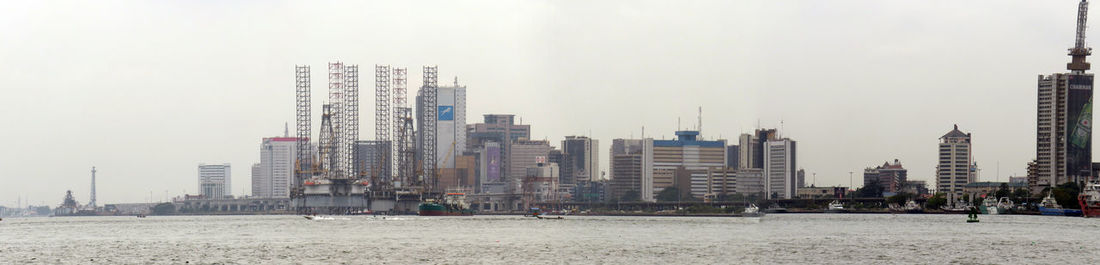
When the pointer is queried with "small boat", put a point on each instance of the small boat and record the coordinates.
(752, 211)
(1049, 206)
(836, 207)
(1005, 206)
(1089, 199)
(912, 207)
(534, 212)
(775, 208)
(319, 217)
(989, 206)
(140, 216)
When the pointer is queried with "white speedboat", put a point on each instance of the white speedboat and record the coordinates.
(836, 207)
(319, 217)
(752, 211)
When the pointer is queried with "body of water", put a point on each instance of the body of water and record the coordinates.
(776, 238)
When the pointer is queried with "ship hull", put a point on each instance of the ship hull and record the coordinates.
(435, 209)
(1089, 208)
(1059, 211)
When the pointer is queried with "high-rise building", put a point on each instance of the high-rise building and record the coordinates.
(450, 124)
(631, 169)
(215, 181)
(272, 177)
(525, 154)
(695, 155)
(1064, 146)
(891, 177)
(954, 169)
(751, 147)
(1064, 115)
(779, 168)
(495, 135)
(580, 160)
(801, 178)
(258, 181)
(733, 156)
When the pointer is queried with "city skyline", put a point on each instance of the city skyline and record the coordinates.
(147, 121)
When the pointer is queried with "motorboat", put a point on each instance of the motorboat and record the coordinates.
(836, 207)
(752, 211)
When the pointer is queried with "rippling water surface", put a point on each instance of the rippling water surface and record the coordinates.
(789, 238)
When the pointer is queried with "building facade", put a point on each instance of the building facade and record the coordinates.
(954, 169)
(525, 154)
(779, 168)
(450, 125)
(890, 176)
(693, 154)
(580, 160)
(631, 168)
(1064, 128)
(215, 181)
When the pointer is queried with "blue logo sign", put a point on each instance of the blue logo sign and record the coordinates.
(446, 113)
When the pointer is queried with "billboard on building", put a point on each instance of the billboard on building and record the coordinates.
(493, 163)
(1079, 126)
(446, 113)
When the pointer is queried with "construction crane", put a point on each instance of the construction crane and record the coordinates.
(1078, 65)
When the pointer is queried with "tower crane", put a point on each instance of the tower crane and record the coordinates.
(1078, 65)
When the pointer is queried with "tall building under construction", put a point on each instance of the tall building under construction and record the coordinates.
(1064, 117)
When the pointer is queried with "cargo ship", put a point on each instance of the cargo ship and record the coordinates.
(1090, 199)
(453, 204)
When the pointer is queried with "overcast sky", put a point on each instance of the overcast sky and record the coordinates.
(146, 90)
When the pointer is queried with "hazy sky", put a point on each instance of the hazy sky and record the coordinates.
(146, 90)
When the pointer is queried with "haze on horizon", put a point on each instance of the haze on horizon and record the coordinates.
(145, 91)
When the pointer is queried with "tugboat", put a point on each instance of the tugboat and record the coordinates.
(1049, 206)
(752, 211)
(836, 207)
(453, 204)
(1089, 199)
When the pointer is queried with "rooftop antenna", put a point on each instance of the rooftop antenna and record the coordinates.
(286, 129)
(643, 131)
(1078, 65)
(92, 201)
(678, 128)
(699, 127)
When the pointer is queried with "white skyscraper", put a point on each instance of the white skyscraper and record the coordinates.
(215, 181)
(451, 125)
(779, 168)
(276, 169)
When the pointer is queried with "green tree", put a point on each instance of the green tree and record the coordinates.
(669, 194)
(873, 189)
(1021, 194)
(1003, 191)
(1066, 194)
(938, 200)
(900, 199)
